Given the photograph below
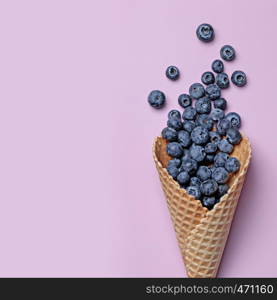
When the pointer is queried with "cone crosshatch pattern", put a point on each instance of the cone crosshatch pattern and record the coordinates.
(201, 233)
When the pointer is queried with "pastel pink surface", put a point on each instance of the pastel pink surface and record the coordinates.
(79, 193)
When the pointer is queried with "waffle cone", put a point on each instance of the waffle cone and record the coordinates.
(201, 233)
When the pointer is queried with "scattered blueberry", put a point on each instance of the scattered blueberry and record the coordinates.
(234, 118)
(220, 159)
(172, 73)
(222, 80)
(189, 125)
(194, 191)
(203, 173)
(209, 202)
(233, 136)
(189, 113)
(174, 162)
(208, 78)
(215, 137)
(196, 90)
(200, 135)
(203, 105)
(220, 103)
(211, 148)
(205, 32)
(195, 181)
(232, 165)
(217, 114)
(174, 149)
(205, 121)
(225, 146)
(213, 91)
(184, 138)
(227, 53)
(173, 171)
(220, 175)
(156, 99)
(222, 126)
(209, 187)
(189, 165)
(169, 134)
(222, 190)
(217, 66)
(184, 100)
(183, 178)
(239, 78)
(197, 152)
(175, 123)
(174, 114)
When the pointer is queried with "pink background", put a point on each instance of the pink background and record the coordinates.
(79, 192)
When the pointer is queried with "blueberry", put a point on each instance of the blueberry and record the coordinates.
(174, 162)
(233, 136)
(232, 165)
(189, 165)
(209, 158)
(194, 191)
(205, 121)
(189, 125)
(156, 99)
(174, 149)
(205, 32)
(222, 80)
(209, 187)
(203, 173)
(195, 181)
(183, 178)
(208, 78)
(212, 168)
(234, 118)
(227, 53)
(217, 66)
(209, 202)
(196, 90)
(200, 135)
(172, 73)
(220, 159)
(213, 91)
(220, 103)
(220, 175)
(222, 190)
(186, 154)
(239, 78)
(175, 123)
(184, 138)
(169, 134)
(225, 146)
(174, 114)
(215, 137)
(222, 126)
(211, 148)
(184, 100)
(189, 113)
(173, 171)
(217, 114)
(203, 105)
(197, 152)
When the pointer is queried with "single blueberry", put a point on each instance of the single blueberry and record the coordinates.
(174, 149)
(173, 171)
(234, 118)
(200, 135)
(184, 138)
(222, 80)
(196, 90)
(175, 123)
(213, 91)
(209, 187)
(233, 136)
(220, 159)
(215, 137)
(220, 175)
(211, 148)
(195, 181)
(227, 53)
(189, 165)
(189, 113)
(232, 165)
(225, 146)
(205, 32)
(222, 126)
(189, 125)
(183, 178)
(239, 78)
(205, 121)
(203, 105)
(217, 66)
(174, 162)
(197, 152)
(156, 99)
(222, 190)
(169, 134)
(208, 78)
(203, 173)
(209, 202)
(194, 191)
(184, 100)
(217, 114)
(172, 73)
(220, 103)
(174, 114)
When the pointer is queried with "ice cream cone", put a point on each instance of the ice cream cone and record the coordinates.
(201, 233)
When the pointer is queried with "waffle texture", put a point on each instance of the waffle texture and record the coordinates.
(201, 233)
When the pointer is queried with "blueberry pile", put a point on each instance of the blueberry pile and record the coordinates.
(202, 137)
